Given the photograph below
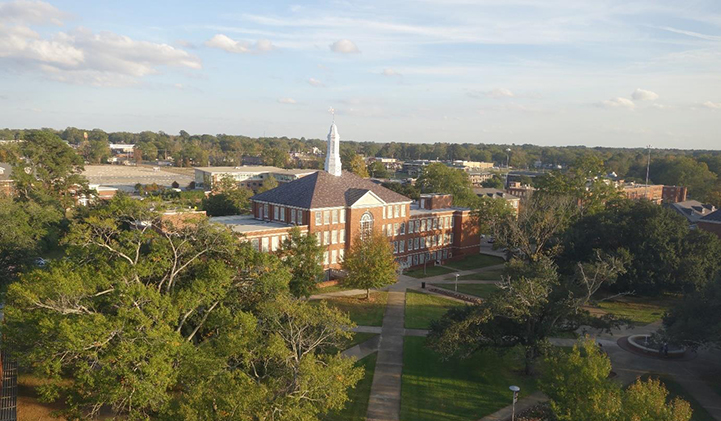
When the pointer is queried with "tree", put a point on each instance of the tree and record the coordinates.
(696, 321)
(578, 387)
(275, 157)
(534, 232)
(490, 211)
(378, 170)
(406, 189)
(664, 254)
(495, 182)
(303, 256)
(358, 166)
(584, 182)
(577, 384)
(438, 178)
(370, 263)
(269, 184)
(227, 198)
(46, 170)
(168, 322)
(532, 303)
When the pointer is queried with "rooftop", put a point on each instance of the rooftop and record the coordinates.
(323, 190)
(243, 224)
(254, 169)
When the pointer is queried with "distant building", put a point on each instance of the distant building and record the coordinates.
(116, 148)
(339, 207)
(101, 193)
(522, 191)
(470, 165)
(513, 201)
(251, 177)
(651, 192)
(391, 164)
(479, 177)
(711, 223)
(6, 181)
(692, 210)
(674, 194)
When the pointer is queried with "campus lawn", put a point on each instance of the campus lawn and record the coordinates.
(333, 288)
(458, 389)
(713, 380)
(640, 310)
(422, 308)
(356, 407)
(675, 389)
(361, 311)
(357, 338)
(476, 261)
(430, 271)
(486, 275)
(479, 290)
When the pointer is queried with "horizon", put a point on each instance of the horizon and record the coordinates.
(608, 74)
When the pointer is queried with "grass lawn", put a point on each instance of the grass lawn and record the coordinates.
(430, 271)
(640, 310)
(334, 288)
(486, 275)
(476, 261)
(458, 390)
(29, 407)
(357, 338)
(422, 308)
(675, 389)
(361, 311)
(479, 290)
(713, 380)
(357, 405)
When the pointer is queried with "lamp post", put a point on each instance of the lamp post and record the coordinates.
(515, 390)
(457, 275)
(508, 151)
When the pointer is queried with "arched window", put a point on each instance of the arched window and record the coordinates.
(366, 225)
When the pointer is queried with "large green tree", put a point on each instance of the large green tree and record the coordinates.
(46, 170)
(696, 321)
(159, 321)
(227, 198)
(303, 256)
(578, 387)
(370, 263)
(533, 302)
(664, 253)
(439, 178)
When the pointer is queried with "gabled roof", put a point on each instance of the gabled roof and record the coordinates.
(712, 217)
(323, 190)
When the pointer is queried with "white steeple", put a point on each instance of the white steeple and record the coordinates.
(332, 156)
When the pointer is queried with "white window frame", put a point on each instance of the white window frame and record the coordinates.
(276, 213)
(318, 218)
(342, 216)
(326, 217)
(334, 216)
(341, 236)
(403, 211)
(334, 237)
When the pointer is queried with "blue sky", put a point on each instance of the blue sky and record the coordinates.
(549, 72)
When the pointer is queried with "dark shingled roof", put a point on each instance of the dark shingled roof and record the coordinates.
(323, 190)
(712, 217)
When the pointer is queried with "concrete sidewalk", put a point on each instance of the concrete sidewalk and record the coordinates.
(385, 396)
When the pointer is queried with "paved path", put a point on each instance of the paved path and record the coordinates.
(527, 402)
(385, 396)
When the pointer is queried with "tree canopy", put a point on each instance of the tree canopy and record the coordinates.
(439, 178)
(303, 256)
(174, 322)
(370, 263)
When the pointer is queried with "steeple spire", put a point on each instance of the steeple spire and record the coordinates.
(332, 156)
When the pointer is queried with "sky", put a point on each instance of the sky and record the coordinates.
(548, 72)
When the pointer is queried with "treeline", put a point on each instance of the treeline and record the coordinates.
(699, 170)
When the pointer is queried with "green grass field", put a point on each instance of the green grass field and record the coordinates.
(486, 275)
(334, 288)
(458, 390)
(675, 389)
(361, 311)
(479, 290)
(357, 338)
(476, 261)
(430, 271)
(640, 310)
(422, 308)
(357, 405)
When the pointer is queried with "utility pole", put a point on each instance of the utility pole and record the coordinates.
(648, 166)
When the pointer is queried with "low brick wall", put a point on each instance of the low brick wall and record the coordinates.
(454, 294)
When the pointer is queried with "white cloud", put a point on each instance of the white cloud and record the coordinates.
(344, 46)
(712, 105)
(31, 13)
(619, 103)
(84, 57)
(286, 101)
(644, 95)
(315, 82)
(390, 72)
(500, 93)
(230, 45)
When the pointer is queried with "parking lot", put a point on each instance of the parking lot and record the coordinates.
(124, 177)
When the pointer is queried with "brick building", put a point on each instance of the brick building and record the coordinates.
(711, 223)
(339, 207)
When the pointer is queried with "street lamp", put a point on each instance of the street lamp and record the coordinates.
(508, 151)
(515, 390)
(457, 275)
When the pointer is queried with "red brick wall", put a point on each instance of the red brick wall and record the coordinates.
(710, 227)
